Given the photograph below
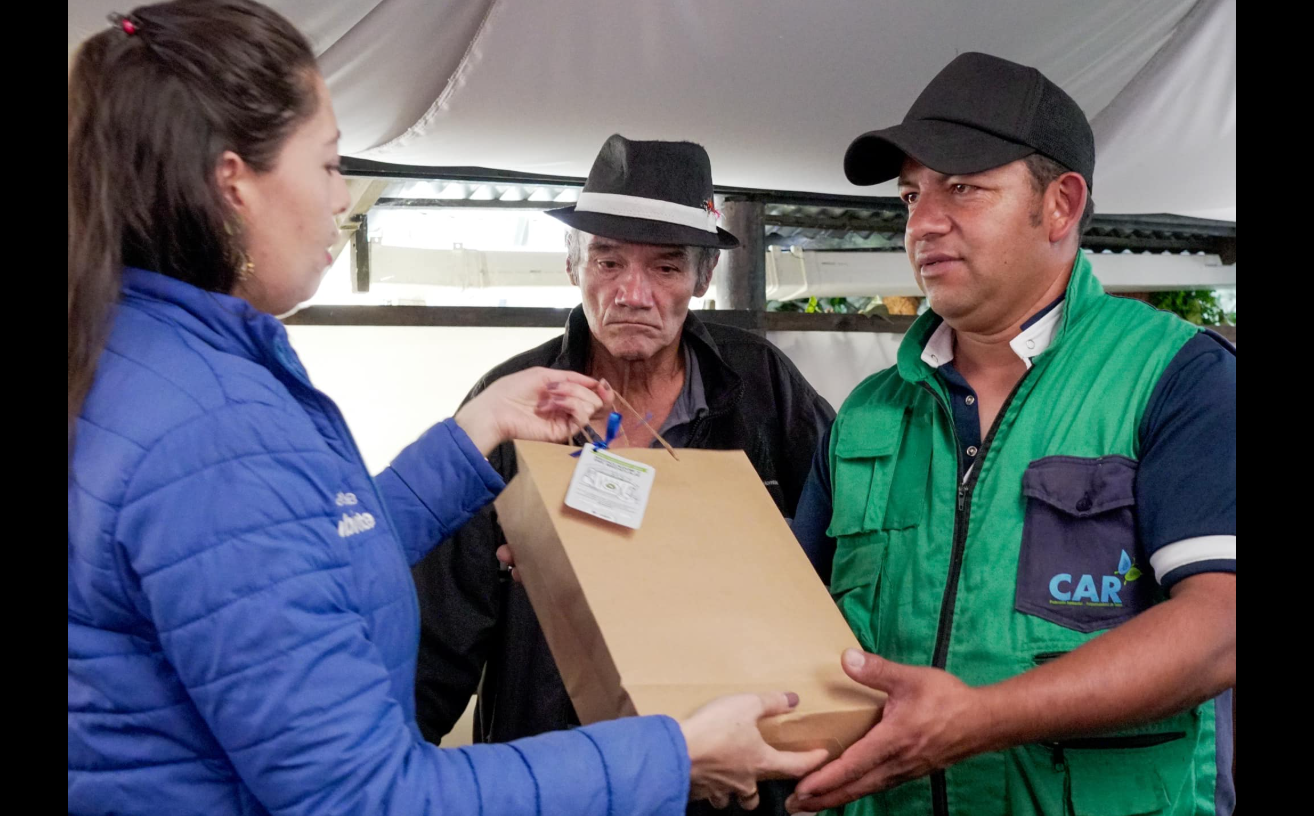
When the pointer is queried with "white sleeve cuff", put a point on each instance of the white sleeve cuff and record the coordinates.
(1190, 551)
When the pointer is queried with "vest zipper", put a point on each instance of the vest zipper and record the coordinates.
(939, 789)
(939, 793)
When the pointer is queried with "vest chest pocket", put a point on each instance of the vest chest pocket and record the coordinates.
(881, 466)
(1077, 566)
(882, 463)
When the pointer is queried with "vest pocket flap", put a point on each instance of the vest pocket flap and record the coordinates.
(855, 482)
(1081, 486)
(856, 565)
(1113, 784)
(870, 431)
(871, 489)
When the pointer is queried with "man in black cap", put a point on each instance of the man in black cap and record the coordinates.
(643, 241)
(1031, 518)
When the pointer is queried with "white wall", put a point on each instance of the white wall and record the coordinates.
(392, 383)
(835, 362)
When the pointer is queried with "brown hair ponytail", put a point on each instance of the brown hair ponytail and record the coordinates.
(153, 103)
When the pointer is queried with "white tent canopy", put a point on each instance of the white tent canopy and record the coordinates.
(775, 89)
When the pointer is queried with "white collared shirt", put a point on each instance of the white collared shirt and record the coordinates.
(1030, 342)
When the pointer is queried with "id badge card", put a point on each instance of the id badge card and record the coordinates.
(610, 487)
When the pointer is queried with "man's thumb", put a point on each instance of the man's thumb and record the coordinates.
(873, 671)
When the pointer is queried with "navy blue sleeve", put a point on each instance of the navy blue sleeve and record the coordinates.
(814, 511)
(1186, 481)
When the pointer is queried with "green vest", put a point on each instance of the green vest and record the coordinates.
(1033, 555)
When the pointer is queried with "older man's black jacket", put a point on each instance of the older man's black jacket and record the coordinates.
(477, 623)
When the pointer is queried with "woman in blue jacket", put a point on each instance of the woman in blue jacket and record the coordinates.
(242, 626)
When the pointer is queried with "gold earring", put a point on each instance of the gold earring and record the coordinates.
(245, 266)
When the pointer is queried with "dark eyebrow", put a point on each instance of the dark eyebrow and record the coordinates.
(678, 252)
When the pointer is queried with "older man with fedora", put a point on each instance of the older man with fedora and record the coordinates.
(643, 241)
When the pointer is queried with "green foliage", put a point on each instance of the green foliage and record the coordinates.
(834, 305)
(1200, 307)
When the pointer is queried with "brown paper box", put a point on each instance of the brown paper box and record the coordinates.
(711, 595)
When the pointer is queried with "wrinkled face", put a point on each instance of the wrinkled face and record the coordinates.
(976, 243)
(288, 213)
(636, 296)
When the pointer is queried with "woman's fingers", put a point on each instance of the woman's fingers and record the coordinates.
(569, 401)
(562, 380)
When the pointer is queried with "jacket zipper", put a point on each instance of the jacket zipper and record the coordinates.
(939, 789)
(700, 422)
(339, 422)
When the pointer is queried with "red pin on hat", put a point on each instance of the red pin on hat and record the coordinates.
(128, 26)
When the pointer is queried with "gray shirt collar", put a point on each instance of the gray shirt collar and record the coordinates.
(689, 405)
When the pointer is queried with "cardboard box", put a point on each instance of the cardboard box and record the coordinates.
(711, 595)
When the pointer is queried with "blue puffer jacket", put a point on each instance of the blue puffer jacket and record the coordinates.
(242, 625)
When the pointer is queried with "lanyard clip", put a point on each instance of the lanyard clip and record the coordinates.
(613, 428)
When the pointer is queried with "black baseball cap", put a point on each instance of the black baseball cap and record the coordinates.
(980, 112)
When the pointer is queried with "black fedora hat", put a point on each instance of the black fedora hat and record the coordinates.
(980, 112)
(649, 193)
